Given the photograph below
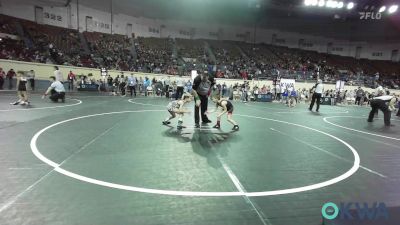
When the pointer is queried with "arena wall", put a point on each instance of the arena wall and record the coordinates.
(74, 17)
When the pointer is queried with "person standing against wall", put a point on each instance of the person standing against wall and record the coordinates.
(71, 79)
(359, 94)
(122, 85)
(318, 90)
(10, 75)
(31, 77)
(58, 75)
(132, 85)
(146, 84)
(2, 78)
(179, 88)
(167, 83)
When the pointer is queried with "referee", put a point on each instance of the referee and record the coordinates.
(382, 102)
(318, 89)
(56, 90)
(202, 85)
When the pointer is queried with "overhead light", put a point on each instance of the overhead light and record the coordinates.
(350, 5)
(314, 2)
(334, 4)
(321, 3)
(393, 9)
(307, 2)
(382, 9)
(340, 5)
(329, 4)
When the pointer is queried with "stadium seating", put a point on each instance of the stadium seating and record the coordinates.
(50, 44)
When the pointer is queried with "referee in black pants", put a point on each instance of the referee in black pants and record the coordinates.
(381, 103)
(202, 85)
(318, 89)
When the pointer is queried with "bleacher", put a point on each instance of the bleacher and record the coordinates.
(7, 25)
(225, 51)
(52, 44)
(191, 49)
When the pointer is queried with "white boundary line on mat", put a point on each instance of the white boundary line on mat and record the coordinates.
(57, 167)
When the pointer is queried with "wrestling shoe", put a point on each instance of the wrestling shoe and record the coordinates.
(166, 122)
(236, 127)
(197, 125)
(180, 127)
(216, 126)
(15, 103)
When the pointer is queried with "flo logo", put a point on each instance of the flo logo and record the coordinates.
(355, 211)
(370, 16)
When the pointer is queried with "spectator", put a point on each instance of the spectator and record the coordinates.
(359, 95)
(10, 76)
(58, 75)
(31, 77)
(146, 85)
(2, 78)
(122, 85)
(132, 84)
(71, 80)
(224, 89)
(167, 83)
(179, 88)
(189, 86)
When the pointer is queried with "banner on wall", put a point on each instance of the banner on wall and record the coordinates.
(287, 83)
(103, 72)
(340, 85)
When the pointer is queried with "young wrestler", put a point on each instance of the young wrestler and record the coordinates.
(21, 89)
(227, 107)
(176, 107)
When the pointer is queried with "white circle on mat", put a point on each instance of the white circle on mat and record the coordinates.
(60, 170)
(360, 131)
(49, 107)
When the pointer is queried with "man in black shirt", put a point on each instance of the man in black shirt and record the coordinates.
(202, 85)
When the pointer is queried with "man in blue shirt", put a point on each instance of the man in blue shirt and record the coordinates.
(146, 83)
(132, 84)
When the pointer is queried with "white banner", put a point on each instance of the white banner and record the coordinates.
(340, 85)
(194, 74)
(287, 84)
